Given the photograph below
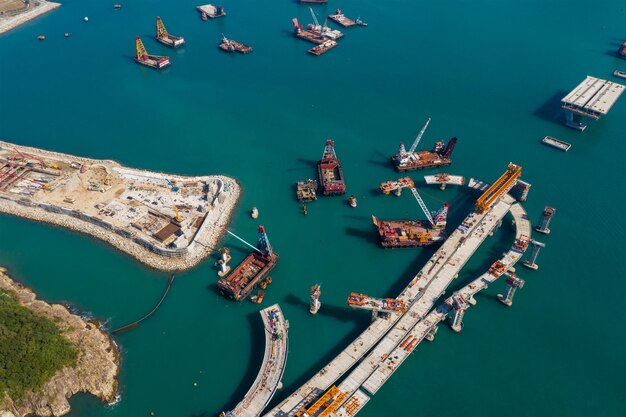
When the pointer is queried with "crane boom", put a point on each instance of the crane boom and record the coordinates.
(419, 137)
(423, 205)
(314, 17)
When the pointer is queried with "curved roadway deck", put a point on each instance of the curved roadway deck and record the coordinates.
(272, 368)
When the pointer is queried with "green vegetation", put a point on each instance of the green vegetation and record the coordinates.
(32, 349)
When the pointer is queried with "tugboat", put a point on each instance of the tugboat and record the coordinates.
(204, 16)
(254, 213)
(352, 201)
(359, 22)
(620, 74)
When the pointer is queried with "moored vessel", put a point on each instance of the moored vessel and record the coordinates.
(210, 11)
(165, 38)
(556, 143)
(330, 172)
(340, 18)
(229, 45)
(352, 201)
(322, 48)
(620, 74)
(621, 52)
(306, 190)
(144, 58)
(411, 160)
(248, 274)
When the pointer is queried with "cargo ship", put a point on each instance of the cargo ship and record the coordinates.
(412, 160)
(322, 48)
(229, 45)
(144, 58)
(413, 233)
(621, 52)
(330, 172)
(246, 276)
(165, 38)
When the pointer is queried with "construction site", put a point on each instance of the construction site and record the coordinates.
(169, 222)
(440, 155)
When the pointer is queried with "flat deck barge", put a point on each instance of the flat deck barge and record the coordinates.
(211, 11)
(439, 156)
(407, 233)
(229, 45)
(306, 191)
(556, 143)
(322, 48)
(325, 32)
(330, 172)
(241, 282)
(341, 19)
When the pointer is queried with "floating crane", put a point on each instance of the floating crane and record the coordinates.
(411, 160)
(439, 219)
(144, 58)
(407, 156)
(165, 38)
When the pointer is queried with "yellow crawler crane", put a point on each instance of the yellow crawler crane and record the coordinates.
(327, 404)
(502, 186)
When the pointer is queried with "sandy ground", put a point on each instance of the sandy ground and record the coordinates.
(11, 22)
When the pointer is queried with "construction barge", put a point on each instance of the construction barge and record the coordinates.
(322, 48)
(144, 58)
(165, 38)
(229, 45)
(413, 233)
(211, 11)
(330, 172)
(307, 35)
(306, 191)
(556, 143)
(251, 272)
(412, 160)
(341, 19)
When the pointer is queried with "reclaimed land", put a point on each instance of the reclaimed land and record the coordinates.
(66, 354)
(12, 17)
(168, 222)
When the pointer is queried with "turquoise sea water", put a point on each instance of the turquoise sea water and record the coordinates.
(488, 72)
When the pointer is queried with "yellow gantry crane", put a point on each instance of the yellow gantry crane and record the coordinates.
(502, 186)
(325, 405)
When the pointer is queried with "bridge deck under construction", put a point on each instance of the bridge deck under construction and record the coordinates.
(272, 368)
(593, 97)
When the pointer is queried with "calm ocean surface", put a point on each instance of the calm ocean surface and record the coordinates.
(489, 72)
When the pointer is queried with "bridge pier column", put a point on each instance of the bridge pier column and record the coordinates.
(531, 262)
(430, 336)
(472, 301)
(459, 305)
(512, 284)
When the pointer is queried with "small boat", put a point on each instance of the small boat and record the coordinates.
(254, 213)
(67, 35)
(620, 74)
(556, 143)
(117, 6)
(86, 19)
(204, 16)
(352, 201)
(359, 22)
(41, 38)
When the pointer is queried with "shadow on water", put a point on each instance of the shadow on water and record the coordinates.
(341, 313)
(369, 235)
(255, 360)
(365, 219)
(305, 164)
(550, 111)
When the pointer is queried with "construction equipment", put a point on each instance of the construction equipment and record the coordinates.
(502, 186)
(404, 156)
(440, 216)
(144, 58)
(177, 218)
(325, 405)
(165, 38)
(411, 160)
(386, 305)
(396, 186)
(174, 187)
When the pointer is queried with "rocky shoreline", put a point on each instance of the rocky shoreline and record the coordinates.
(95, 371)
(11, 22)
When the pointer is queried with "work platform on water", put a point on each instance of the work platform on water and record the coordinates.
(165, 38)
(329, 171)
(411, 160)
(444, 179)
(323, 47)
(272, 368)
(243, 280)
(340, 18)
(144, 58)
(556, 143)
(211, 11)
(364, 363)
(591, 99)
(229, 45)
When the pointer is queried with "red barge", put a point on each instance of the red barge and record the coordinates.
(241, 282)
(412, 160)
(330, 172)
